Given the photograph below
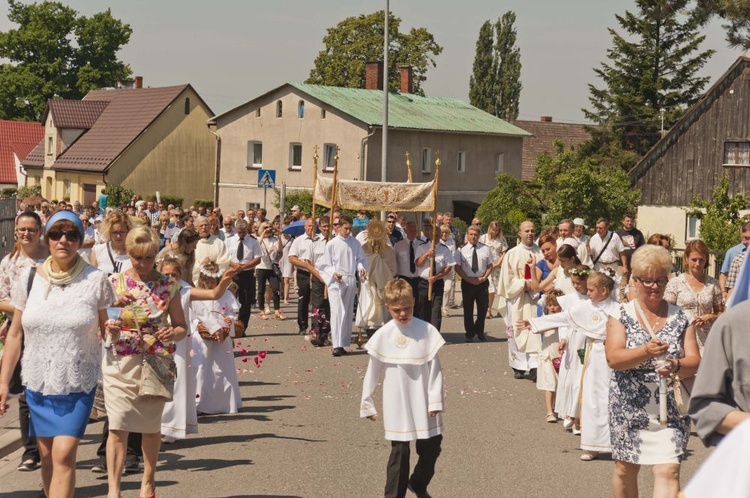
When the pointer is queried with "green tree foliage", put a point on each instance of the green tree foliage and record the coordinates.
(654, 66)
(29, 191)
(117, 195)
(720, 216)
(495, 83)
(301, 198)
(359, 39)
(510, 203)
(735, 13)
(56, 53)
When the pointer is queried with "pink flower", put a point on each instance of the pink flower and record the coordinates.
(262, 354)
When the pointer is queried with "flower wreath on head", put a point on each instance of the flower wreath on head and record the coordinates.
(210, 274)
(580, 272)
(608, 272)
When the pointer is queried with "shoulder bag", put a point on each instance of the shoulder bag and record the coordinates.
(158, 374)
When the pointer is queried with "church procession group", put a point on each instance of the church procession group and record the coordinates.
(609, 330)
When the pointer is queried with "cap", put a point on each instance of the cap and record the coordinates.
(580, 222)
(295, 208)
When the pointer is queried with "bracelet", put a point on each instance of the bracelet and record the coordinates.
(679, 366)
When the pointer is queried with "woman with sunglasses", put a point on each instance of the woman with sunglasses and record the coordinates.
(111, 256)
(62, 356)
(28, 251)
(648, 339)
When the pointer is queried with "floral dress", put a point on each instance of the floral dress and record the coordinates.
(708, 300)
(122, 362)
(636, 435)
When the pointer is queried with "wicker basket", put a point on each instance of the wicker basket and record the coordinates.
(220, 334)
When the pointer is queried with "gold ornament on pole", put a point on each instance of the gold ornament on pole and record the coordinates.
(435, 232)
(408, 167)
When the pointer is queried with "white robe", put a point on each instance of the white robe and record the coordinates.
(590, 319)
(523, 346)
(569, 378)
(217, 385)
(412, 382)
(346, 257)
(180, 416)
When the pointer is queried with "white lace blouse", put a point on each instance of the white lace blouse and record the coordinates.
(61, 332)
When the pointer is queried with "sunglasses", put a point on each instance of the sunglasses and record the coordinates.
(70, 235)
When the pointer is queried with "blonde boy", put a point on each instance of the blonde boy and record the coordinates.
(405, 351)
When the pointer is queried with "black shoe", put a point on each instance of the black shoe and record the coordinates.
(469, 339)
(420, 493)
(517, 374)
(28, 466)
(482, 337)
(532, 375)
(302, 331)
(132, 466)
(100, 467)
(338, 351)
(317, 342)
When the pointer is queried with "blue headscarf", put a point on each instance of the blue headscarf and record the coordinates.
(68, 216)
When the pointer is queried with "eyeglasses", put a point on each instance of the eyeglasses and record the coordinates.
(70, 235)
(650, 282)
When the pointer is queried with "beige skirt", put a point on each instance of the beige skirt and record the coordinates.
(126, 409)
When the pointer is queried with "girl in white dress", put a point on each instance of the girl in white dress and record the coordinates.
(495, 239)
(180, 416)
(217, 386)
(546, 379)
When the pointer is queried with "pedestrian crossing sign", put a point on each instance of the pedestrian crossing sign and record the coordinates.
(266, 178)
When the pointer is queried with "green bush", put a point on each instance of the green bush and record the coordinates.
(117, 195)
(206, 203)
(7, 193)
(168, 199)
(25, 192)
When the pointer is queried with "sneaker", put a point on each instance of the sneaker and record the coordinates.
(132, 466)
(100, 467)
(267, 311)
(28, 466)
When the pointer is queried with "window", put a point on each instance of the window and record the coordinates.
(301, 109)
(254, 154)
(257, 112)
(692, 227)
(322, 114)
(500, 163)
(329, 152)
(187, 106)
(461, 161)
(67, 187)
(49, 146)
(295, 156)
(737, 153)
(426, 160)
(37, 180)
(278, 109)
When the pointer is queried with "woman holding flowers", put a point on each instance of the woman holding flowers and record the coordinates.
(143, 329)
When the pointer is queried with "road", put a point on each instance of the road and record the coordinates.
(299, 433)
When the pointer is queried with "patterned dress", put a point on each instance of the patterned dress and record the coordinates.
(636, 435)
(707, 300)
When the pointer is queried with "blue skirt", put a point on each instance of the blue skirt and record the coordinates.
(59, 415)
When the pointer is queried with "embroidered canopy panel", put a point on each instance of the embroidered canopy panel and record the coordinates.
(376, 196)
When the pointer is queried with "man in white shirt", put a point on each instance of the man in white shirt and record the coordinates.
(210, 247)
(406, 251)
(244, 251)
(606, 248)
(431, 310)
(305, 250)
(474, 263)
(565, 234)
(227, 227)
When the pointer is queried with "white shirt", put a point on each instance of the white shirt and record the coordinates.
(571, 241)
(251, 248)
(307, 249)
(403, 264)
(611, 253)
(443, 258)
(269, 249)
(485, 258)
(344, 256)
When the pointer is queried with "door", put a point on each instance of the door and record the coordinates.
(89, 194)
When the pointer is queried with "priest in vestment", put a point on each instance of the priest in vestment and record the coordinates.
(515, 286)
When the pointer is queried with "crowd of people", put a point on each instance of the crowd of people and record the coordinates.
(604, 324)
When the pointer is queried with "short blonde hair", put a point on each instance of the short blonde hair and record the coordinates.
(398, 289)
(114, 218)
(142, 241)
(650, 257)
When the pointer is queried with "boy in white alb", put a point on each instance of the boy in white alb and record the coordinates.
(405, 351)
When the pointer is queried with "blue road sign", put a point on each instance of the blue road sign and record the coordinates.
(266, 178)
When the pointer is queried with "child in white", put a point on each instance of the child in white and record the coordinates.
(546, 379)
(590, 319)
(405, 351)
(217, 386)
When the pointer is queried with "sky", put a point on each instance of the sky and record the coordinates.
(232, 51)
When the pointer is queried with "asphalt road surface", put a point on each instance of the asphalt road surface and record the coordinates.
(299, 433)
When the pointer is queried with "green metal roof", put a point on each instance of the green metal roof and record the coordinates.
(411, 111)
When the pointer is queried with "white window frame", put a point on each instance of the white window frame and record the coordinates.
(499, 163)
(692, 227)
(461, 161)
(251, 161)
(329, 152)
(426, 160)
(292, 166)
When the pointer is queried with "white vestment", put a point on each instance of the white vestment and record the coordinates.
(523, 346)
(217, 386)
(180, 416)
(412, 381)
(346, 257)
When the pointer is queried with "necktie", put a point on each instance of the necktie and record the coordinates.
(412, 264)
(474, 261)
(241, 250)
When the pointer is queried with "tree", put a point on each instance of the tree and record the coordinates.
(117, 195)
(357, 40)
(720, 216)
(495, 83)
(483, 80)
(508, 68)
(55, 53)
(510, 204)
(736, 13)
(653, 66)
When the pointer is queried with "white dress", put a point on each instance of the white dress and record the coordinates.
(217, 385)
(180, 416)
(569, 377)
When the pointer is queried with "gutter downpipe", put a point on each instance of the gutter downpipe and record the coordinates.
(217, 166)
(365, 140)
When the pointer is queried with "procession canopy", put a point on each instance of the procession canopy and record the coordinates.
(376, 196)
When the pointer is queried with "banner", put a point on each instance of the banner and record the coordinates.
(376, 196)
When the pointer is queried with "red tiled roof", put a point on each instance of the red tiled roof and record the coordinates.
(545, 133)
(17, 138)
(79, 114)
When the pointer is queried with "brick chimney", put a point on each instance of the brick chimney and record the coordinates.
(407, 79)
(546, 119)
(138, 83)
(374, 75)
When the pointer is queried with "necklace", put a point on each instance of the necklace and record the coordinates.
(657, 318)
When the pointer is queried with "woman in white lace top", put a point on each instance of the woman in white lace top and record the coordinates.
(61, 360)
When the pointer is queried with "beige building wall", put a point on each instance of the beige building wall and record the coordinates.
(670, 220)
(238, 185)
(176, 155)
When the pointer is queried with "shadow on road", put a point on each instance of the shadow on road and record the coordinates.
(90, 491)
(180, 462)
(232, 438)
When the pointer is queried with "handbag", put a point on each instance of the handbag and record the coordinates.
(277, 271)
(158, 375)
(681, 395)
